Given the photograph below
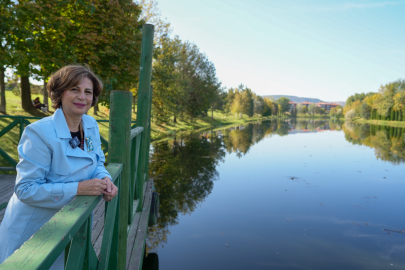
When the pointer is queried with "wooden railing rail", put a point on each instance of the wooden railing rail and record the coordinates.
(70, 229)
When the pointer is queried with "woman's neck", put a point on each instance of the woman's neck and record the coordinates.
(73, 122)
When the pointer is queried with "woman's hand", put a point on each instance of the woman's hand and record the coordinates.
(92, 187)
(111, 190)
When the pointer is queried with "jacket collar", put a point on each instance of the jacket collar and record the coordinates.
(61, 127)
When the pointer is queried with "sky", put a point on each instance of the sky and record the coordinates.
(307, 48)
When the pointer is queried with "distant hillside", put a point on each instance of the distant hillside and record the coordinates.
(302, 99)
(295, 99)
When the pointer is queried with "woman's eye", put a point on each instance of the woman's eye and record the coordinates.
(74, 89)
(89, 92)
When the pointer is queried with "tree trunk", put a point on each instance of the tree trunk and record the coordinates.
(174, 119)
(26, 102)
(2, 91)
(95, 107)
(45, 94)
(212, 112)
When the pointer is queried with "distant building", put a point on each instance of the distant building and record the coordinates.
(306, 103)
(293, 105)
(327, 106)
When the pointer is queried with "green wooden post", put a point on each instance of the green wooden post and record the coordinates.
(148, 132)
(142, 120)
(119, 142)
(21, 127)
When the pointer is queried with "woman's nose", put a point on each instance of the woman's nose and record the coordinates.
(81, 95)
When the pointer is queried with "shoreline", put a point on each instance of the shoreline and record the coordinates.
(203, 124)
(380, 122)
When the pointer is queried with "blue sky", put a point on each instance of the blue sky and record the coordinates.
(323, 49)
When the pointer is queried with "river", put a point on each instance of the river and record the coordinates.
(281, 195)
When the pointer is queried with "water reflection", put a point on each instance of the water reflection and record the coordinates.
(341, 210)
(184, 167)
(388, 142)
(184, 170)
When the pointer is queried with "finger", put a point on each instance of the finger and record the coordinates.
(109, 185)
(103, 186)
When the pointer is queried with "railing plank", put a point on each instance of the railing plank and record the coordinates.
(138, 250)
(136, 134)
(108, 233)
(9, 127)
(47, 244)
(8, 158)
(77, 250)
(136, 131)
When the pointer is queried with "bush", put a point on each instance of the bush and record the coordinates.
(350, 114)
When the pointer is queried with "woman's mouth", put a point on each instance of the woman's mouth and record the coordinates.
(80, 105)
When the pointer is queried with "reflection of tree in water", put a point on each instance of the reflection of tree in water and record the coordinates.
(388, 142)
(184, 171)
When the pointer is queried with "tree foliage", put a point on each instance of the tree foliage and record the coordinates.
(46, 35)
(387, 104)
(284, 104)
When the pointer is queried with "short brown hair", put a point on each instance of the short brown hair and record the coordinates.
(68, 77)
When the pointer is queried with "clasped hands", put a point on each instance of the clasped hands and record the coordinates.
(97, 186)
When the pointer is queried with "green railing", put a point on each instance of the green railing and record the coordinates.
(125, 219)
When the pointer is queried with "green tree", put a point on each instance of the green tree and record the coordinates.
(365, 110)
(218, 102)
(284, 104)
(247, 100)
(198, 79)
(237, 104)
(229, 100)
(258, 105)
(311, 108)
(104, 35)
(168, 98)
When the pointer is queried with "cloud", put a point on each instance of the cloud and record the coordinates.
(348, 6)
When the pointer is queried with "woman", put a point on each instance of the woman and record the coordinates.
(60, 157)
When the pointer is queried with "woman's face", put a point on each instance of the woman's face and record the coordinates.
(78, 99)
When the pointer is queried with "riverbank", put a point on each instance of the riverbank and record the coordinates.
(158, 131)
(380, 122)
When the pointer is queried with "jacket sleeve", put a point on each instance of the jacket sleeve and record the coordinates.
(35, 160)
(100, 171)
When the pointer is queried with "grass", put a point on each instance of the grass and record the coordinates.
(380, 122)
(10, 140)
